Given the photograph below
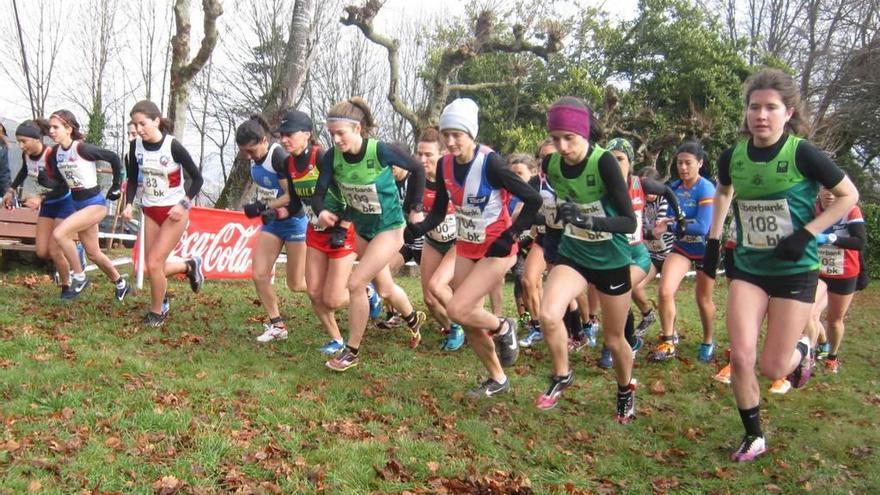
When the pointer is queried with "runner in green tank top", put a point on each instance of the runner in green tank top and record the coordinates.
(594, 206)
(361, 168)
(773, 176)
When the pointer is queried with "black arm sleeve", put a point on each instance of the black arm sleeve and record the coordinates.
(816, 165)
(325, 178)
(5, 173)
(502, 177)
(618, 196)
(131, 172)
(180, 155)
(93, 153)
(441, 201)
(19, 177)
(724, 167)
(858, 237)
(660, 189)
(415, 183)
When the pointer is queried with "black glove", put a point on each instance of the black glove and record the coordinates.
(539, 219)
(273, 215)
(114, 193)
(415, 230)
(338, 236)
(254, 209)
(681, 227)
(570, 213)
(792, 248)
(710, 259)
(525, 243)
(502, 246)
(44, 180)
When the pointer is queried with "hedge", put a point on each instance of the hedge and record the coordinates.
(871, 213)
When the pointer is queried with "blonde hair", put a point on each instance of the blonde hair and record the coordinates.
(355, 109)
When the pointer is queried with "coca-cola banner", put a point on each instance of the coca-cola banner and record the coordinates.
(223, 238)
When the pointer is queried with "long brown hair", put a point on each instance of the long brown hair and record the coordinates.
(782, 83)
(69, 119)
(354, 108)
(150, 109)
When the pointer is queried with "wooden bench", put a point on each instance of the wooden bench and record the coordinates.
(18, 229)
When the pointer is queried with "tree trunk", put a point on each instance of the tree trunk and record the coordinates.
(182, 72)
(284, 93)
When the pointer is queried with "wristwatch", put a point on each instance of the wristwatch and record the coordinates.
(185, 204)
(832, 238)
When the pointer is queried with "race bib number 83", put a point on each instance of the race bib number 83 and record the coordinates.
(831, 259)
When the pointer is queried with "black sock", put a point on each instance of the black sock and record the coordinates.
(353, 350)
(629, 330)
(751, 419)
(411, 318)
(832, 357)
(803, 349)
(277, 319)
(624, 389)
(593, 317)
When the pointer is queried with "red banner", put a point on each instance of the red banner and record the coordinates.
(224, 239)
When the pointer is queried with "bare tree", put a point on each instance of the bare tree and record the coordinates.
(183, 71)
(41, 41)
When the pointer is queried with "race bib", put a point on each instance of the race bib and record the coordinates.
(656, 245)
(764, 222)
(831, 260)
(548, 209)
(74, 175)
(591, 209)
(155, 183)
(362, 197)
(264, 195)
(446, 231)
(313, 219)
(693, 239)
(39, 188)
(470, 225)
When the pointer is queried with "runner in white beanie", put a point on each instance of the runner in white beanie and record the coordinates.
(461, 114)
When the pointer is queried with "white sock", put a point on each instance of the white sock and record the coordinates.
(120, 283)
(79, 277)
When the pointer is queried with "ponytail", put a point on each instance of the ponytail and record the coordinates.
(69, 120)
(357, 111)
(253, 130)
(150, 109)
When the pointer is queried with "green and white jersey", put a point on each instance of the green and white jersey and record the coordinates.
(368, 188)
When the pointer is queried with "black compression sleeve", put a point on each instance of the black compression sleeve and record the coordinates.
(131, 171)
(724, 167)
(279, 161)
(816, 165)
(93, 153)
(180, 155)
(441, 201)
(325, 178)
(20, 176)
(500, 176)
(660, 189)
(415, 183)
(858, 236)
(618, 194)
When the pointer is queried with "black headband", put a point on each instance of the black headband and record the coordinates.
(29, 129)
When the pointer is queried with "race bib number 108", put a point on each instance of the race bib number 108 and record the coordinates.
(764, 222)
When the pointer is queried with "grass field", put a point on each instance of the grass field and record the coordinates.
(93, 403)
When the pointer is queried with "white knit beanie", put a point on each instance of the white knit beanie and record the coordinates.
(462, 115)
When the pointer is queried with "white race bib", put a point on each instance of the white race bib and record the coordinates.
(446, 231)
(264, 195)
(155, 183)
(764, 222)
(313, 219)
(636, 237)
(548, 209)
(470, 225)
(362, 197)
(831, 259)
(37, 187)
(656, 245)
(593, 209)
(74, 175)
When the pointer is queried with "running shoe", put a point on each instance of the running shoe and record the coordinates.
(605, 359)
(415, 333)
(723, 375)
(801, 374)
(153, 320)
(750, 448)
(454, 339)
(68, 294)
(506, 345)
(664, 351)
(375, 301)
(575, 345)
(489, 388)
(626, 405)
(77, 286)
(392, 320)
(637, 346)
(832, 365)
(822, 350)
(121, 293)
(591, 332)
(707, 352)
(548, 399)
(166, 305)
(647, 321)
(194, 273)
(780, 387)
(535, 336)
(273, 331)
(343, 361)
(332, 348)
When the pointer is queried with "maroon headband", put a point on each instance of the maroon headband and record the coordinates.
(569, 118)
